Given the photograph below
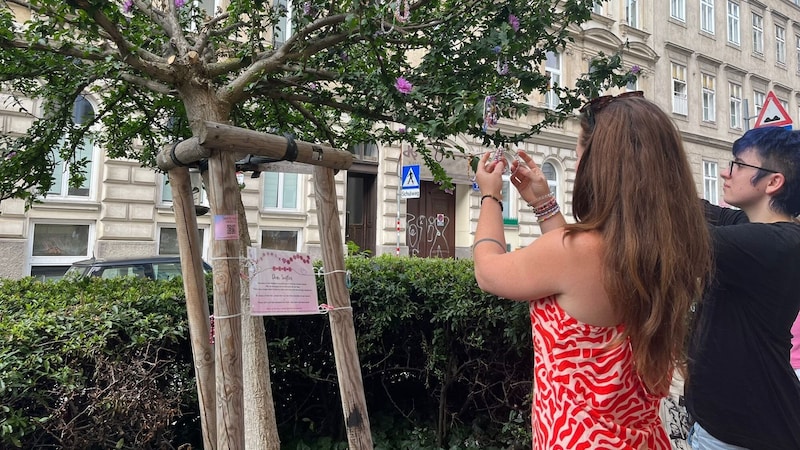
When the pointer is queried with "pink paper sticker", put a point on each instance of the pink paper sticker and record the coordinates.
(226, 228)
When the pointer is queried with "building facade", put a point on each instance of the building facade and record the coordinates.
(709, 63)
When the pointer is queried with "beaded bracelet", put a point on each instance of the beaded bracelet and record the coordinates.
(548, 215)
(545, 207)
(540, 198)
(499, 202)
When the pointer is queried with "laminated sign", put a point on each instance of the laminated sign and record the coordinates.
(281, 283)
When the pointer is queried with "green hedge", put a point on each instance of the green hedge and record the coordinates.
(107, 364)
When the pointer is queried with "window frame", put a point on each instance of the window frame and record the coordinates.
(677, 10)
(707, 16)
(708, 91)
(780, 44)
(758, 33)
(281, 184)
(61, 182)
(735, 104)
(734, 32)
(205, 239)
(632, 13)
(711, 181)
(551, 100)
(680, 97)
(298, 236)
(54, 260)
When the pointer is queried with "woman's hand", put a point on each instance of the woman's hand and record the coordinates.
(529, 179)
(489, 175)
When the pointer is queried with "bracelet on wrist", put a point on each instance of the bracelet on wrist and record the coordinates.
(533, 202)
(499, 202)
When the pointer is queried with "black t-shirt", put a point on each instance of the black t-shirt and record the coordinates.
(742, 388)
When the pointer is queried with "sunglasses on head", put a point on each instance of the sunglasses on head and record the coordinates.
(596, 104)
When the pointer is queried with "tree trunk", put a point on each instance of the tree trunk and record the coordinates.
(260, 426)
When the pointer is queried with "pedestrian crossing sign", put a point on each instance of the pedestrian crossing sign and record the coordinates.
(409, 179)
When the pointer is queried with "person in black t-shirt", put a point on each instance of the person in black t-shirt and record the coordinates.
(742, 391)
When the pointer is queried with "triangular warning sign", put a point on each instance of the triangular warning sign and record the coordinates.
(773, 114)
(410, 181)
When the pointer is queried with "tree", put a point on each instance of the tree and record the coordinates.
(333, 72)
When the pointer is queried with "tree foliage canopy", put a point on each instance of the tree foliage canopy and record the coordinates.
(337, 72)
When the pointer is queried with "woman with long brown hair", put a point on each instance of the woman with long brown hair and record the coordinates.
(610, 293)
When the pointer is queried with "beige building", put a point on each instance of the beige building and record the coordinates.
(710, 64)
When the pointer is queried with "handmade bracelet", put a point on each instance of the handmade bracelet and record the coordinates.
(499, 202)
(545, 207)
(489, 240)
(540, 198)
(548, 215)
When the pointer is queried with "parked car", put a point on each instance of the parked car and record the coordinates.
(153, 267)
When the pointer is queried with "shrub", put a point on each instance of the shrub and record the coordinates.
(97, 364)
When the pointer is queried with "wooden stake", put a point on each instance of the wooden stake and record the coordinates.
(194, 284)
(348, 368)
(227, 308)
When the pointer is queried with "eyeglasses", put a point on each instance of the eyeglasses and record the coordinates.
(596, 104)
(741, 164)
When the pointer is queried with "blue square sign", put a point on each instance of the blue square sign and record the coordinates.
(409, 182)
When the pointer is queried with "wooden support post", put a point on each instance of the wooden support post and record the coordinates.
(217, 136)
(194, 284)
(348, 368)
(227, 308)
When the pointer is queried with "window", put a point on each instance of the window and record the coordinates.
(632, 85)
(281, 190)
(758, 34)
(55, 247)
(758, 102)
(510, 209)
(82, 111)
(707, 16)
(709, 98)
(551, 175)
(597, 8)
(677, 10)
(736, 105)
(365, 151)
(207, 6)
(287, 240)
(283, 27)
(797, 51)
(168, 241)
(198, 190)
(679, 92)
(553, 70)
(632, 13)
(733, 22)
(711, 182)
(780, 44)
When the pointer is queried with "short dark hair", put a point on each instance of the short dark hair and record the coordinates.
(779, 150)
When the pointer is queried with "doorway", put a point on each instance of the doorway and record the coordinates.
(360, 216)
(430, 226)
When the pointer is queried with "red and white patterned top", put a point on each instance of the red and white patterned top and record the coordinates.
(587, 394)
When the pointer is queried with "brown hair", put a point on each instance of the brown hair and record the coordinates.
(634, 186)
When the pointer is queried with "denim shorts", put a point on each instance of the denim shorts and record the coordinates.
(700, 439)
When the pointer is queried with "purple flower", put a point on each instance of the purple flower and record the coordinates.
(127, 6)
(635, 70)
(496, 49)
(502, 70)
(179, 3)
(401, 130)
(514, 22)
(307, 8)
(11, 155)
(403, 86)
